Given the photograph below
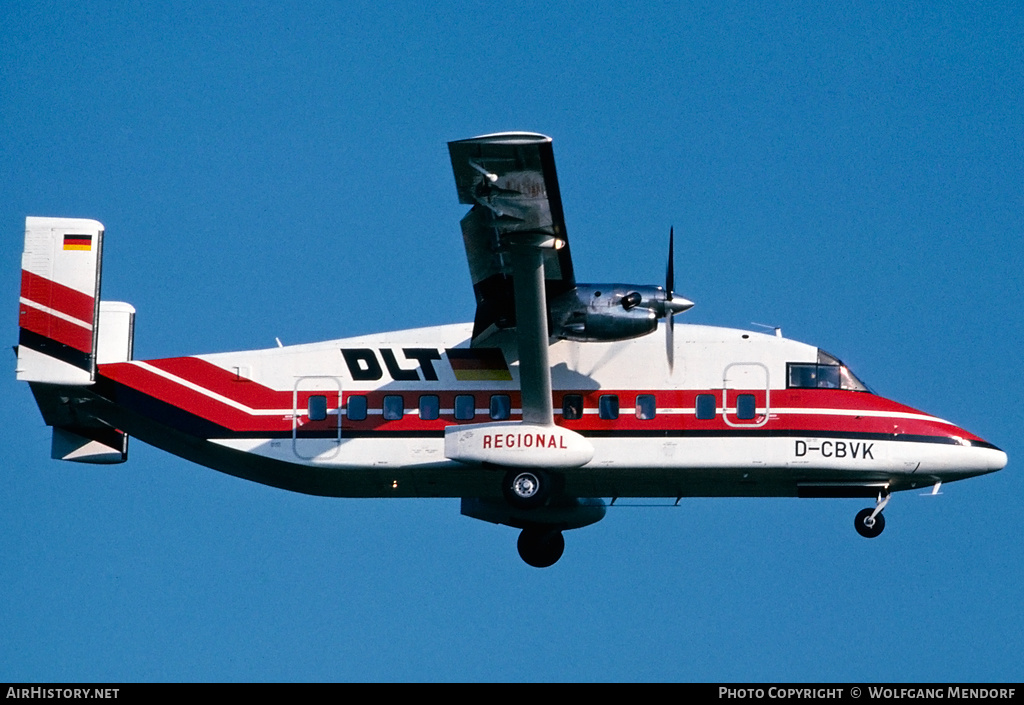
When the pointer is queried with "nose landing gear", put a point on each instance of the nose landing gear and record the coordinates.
(870, 522)
(867, 526)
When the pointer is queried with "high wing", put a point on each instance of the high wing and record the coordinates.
(516, 246)
(509, 179)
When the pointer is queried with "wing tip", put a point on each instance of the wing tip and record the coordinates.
(510, 138)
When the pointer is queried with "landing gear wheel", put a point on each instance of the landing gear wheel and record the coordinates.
(541, 548)
(526, 489)
(861, 523)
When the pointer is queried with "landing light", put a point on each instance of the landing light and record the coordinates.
(541, 240)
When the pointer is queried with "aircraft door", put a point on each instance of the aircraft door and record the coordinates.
(316, 417)
(746, 397)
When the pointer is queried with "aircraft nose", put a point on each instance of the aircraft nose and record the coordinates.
(962, 455)
(986, 458)
(997, 459)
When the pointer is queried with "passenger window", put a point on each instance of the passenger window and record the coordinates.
(608, 407)
(465, 407)
(746, 407)
(645, 407)
(706, 407)
(572, 407)
(501, 407)
(430, 407)
(394, 407)
(316, 407)
(355, 408)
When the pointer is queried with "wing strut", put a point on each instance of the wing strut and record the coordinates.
(532, 328)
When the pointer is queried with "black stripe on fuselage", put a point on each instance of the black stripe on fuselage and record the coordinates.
(724, 433)
(784, 433)
(165, 413)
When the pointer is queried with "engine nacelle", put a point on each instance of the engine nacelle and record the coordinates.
(607, 312)
(613, 325)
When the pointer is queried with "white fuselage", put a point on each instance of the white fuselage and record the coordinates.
(386, 399)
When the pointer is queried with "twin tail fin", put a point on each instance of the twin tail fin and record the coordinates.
(66, 332)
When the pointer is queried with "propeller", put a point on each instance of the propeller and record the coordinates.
(670, 272)
(670, 285)
(672, 304)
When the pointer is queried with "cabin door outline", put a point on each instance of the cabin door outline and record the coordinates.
(739, 381)
(316, 404)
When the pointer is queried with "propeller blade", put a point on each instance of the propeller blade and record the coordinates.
(670, 346)
(670, 285)
(670, 273)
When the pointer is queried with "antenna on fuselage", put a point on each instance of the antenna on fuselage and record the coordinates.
(777, 329)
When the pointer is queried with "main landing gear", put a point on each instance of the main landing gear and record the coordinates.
(870, 522)
(526, 489)
(541, 547)
(536, 503)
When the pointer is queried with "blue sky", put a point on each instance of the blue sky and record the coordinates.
(850, 172)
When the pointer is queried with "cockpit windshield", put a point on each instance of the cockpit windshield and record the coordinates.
(828, 373)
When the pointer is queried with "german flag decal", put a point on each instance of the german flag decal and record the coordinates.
(479, 365)
(78, 242)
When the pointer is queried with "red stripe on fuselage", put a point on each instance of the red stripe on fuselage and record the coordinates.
(884, 418)
(225, 383)
(50, 294)
(191, 401)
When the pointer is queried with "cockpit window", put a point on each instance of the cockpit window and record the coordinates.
(812, 376)
(848, 380)
(828, 373)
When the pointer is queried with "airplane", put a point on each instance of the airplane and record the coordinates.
(557, 400)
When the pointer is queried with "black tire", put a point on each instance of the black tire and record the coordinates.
(868, 532)
(526, 489)
(541, 548)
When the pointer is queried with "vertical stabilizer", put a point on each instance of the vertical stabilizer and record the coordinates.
(117, 332)
(59, 306)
